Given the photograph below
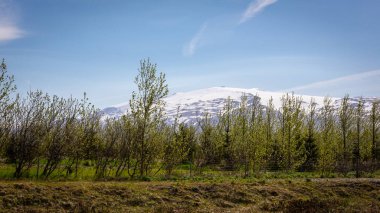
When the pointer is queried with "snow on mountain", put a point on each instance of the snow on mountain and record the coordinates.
(194, 104)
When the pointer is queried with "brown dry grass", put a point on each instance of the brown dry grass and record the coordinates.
(316, 195)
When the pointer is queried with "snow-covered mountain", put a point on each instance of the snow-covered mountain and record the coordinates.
(194, 104)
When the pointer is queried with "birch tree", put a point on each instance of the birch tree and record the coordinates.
(147, 106)
(359, 114)
(7, 88)
(375, 128)
(327, 138)
(345, 114)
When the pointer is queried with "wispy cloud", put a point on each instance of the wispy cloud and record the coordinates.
(8, 26)
(344, 79)
(254, 8)
(9, 32)
(365, 83)
(192, 45)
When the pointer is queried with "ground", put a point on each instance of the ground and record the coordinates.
(279, 195)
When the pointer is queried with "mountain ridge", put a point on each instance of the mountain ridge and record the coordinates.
(193, 104)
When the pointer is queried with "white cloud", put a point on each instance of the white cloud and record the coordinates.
(365, 83)
(254, 8)
(9, 32)
(8, 27)
(189, 48)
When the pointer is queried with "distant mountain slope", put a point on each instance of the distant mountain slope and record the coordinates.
(193, 104)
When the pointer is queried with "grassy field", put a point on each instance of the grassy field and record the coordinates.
(87, 173)
(211, 191)
(278, 195)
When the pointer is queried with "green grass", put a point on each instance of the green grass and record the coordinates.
(181, 173)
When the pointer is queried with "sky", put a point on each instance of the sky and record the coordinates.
(313, 47)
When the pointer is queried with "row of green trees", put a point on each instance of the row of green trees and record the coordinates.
(55, 135)
(293, 137)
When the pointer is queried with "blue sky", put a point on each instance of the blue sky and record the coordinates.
(317, 47)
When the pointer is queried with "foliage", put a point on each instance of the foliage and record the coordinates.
(44, 136)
